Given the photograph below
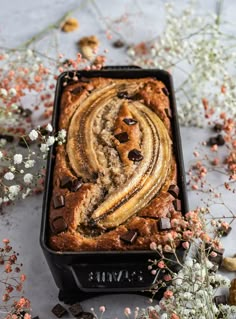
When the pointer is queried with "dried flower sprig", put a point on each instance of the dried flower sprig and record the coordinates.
(13, 305)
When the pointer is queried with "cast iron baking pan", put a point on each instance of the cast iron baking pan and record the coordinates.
(80, 275)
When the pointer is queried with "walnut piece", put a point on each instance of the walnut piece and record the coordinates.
(71, 24)
(229, 263)
(88, 46)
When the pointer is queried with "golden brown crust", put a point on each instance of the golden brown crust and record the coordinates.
(74, 235)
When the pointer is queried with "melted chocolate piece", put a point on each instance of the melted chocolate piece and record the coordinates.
(76, 309)
(177, 204)
(224, 232)
(65, 181)
(129, 237)
(59, 225)
(85, 315)
(58, 201)
(75, 184)
(122, 137)
(165, 91)
(58, 310)
(123, 95)
(164, 223)
(118, 44)
(216, 140)
(135, 155)
(8, 138)
(174, 190)
(26, 113)
(129, 121)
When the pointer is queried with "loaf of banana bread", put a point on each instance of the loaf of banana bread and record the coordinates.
(115, 179)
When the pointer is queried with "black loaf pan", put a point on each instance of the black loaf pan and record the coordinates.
(81, 275)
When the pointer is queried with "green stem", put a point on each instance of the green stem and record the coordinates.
(219, 7)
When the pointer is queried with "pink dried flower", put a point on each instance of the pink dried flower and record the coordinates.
(185, 245)
(127, 311)
(168, 294)
(161, 264)
(102, 309)
(153, 246)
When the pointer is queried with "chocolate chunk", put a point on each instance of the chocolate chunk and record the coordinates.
(118, 44)
(122, 137)
(174, 190)
(123, 95)
(217, 260)
(26, 113)
(59, 310)
(220, 300)
(177, 204)
(58, 201)
(86, 315)
(65, 181)
(36, 317)
(75, 184)
(129, 121)
(59, 225)
(216, 140)
(8, 138)
(224, 232)
(135, 155)
(129, 237)
(164, 223)
(218, 127)
(77, 90)
(76, 309)
(25, 142)
(165, 91)
(220, 140)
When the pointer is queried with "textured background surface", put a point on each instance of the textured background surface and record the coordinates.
(20, 20)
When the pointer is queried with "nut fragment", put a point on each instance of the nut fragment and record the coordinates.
(232, 293)
(88, 46)
(229, 263)
(71, 24)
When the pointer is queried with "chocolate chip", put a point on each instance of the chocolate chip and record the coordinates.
(218, 127)
(216, 140)
(129, 121)
(118, 44)
(58, 310)
(75, 184)
(26, 113)
(58, 201)
(65, 181)
(135, 155)
(177, 204)
(123, 95)
(86, 315)
(224, 232)
(76, 309)
(130, 236)
(122, 137)
(165, 91)
(220, 140)
(59, 225)
(77, 90)
(220, 300)
(174, 190)
(8, 138)
(164, 223)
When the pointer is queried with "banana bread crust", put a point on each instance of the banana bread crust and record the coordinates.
(86, 212)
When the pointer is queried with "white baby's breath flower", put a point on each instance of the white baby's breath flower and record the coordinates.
(17, 158)
(28, 178)
(14, 189)
(12, 91)
(50, 141)
(49, 127)
(33, 135)
(44, 148)
(3, 92)
(1, 154)
(9, 176)
(62, 134)
(24, 195)
(29, 163)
